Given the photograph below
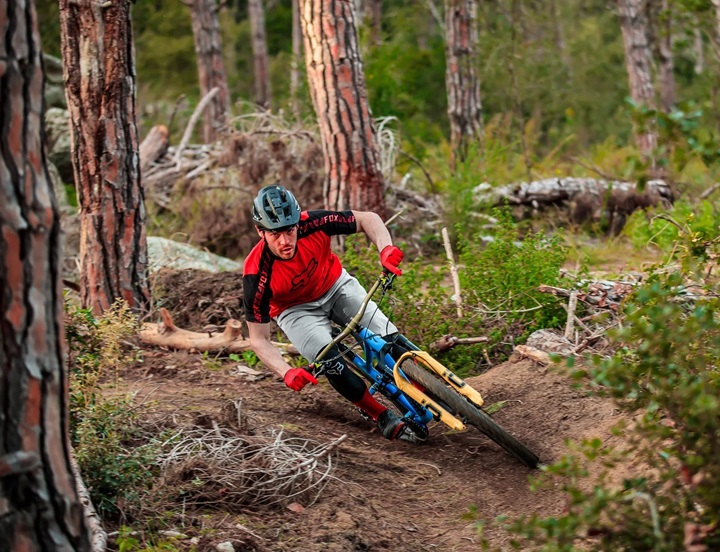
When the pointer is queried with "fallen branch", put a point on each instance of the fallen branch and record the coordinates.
(191, 125)
(98, 536)
(453, 271)
(447, 342)
(541, 357)
(166, 334)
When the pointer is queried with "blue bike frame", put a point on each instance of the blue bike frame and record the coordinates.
(377, 367)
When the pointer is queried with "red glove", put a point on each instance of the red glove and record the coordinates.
(297, 378)
(390, 258)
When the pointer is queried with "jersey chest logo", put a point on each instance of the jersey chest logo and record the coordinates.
(301, 280)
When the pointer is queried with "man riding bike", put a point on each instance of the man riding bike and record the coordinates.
(293, 277)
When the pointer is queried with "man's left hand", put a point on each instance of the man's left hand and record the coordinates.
(390, 258)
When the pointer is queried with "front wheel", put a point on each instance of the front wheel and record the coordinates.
(475, 416)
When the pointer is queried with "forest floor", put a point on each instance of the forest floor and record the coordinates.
(382, 495)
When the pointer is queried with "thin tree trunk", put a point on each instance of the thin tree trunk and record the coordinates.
(337, 85)
(296, 56)
(373, 12)
(667, 66)
(698, 46)
(39, 504)
(261, 61)
(638, 63)
(99, 75)
(211, 67)
(559, 36)
(461, 75)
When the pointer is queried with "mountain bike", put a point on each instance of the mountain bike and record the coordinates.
(420, 387)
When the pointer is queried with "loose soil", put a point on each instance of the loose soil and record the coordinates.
(382, 495)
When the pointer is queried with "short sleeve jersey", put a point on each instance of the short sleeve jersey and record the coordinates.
(272, 285)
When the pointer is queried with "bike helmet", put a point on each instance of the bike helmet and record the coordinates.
(275, 208)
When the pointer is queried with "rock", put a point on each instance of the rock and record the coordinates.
(165, 253)
(550, 342)
(225, 547)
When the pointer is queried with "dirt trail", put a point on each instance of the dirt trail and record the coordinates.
(384, 495)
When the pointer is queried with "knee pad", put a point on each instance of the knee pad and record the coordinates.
(342, 378)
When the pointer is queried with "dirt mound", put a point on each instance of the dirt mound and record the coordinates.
(196, 298)
(384, 495)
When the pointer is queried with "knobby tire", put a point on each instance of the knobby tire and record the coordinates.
(475, 416)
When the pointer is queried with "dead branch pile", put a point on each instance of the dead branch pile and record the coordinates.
(217, 467)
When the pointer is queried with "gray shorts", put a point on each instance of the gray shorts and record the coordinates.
(307, 326)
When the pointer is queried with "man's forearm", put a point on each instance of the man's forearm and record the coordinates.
(271, 357)
(374, 228)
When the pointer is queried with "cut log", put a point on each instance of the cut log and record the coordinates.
(153, 147)
(541, 357)
(231, 340)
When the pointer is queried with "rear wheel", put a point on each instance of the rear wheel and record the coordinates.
(475, 416)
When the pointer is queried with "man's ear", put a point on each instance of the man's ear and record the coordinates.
(260, 233)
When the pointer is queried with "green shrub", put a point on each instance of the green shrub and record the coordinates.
(499, 293)
(666, 375)
(502, 276)
(115, 460)
(663, 228)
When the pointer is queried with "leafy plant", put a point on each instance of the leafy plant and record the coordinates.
(502, 278)
(116, 462)
(501, 275)
(665, 374)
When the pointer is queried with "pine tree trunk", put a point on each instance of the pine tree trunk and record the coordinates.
(211, 68)
(337, 86)
(99, 75)
(667, 65)
(638, 62)
(373, 13)
(261, 61)
(39, 505)
(296, 57)
(461, 75)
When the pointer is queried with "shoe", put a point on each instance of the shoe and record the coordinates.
(391, 426)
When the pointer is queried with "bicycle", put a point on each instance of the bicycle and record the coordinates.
(419, 386)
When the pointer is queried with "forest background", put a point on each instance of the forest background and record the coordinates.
(554, 87)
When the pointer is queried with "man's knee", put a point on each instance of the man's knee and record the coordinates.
(341, 377)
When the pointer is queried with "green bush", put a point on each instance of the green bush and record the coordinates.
(665, 375)
(499, 286)
(115, 460)
(501, 277)
(666, 228)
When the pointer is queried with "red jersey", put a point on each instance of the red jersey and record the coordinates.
(271, 284)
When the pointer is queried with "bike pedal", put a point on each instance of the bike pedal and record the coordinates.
(364, 415)
(419, 431)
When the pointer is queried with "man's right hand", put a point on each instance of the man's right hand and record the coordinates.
(297, 378)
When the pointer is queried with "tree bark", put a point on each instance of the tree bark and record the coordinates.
(39, 504)
(296, 58)
(211, 68)
(638, 62)
(337, 85)
(261, 61)
(373, 13)
(99, 75)
(461, 75)
(667, 65)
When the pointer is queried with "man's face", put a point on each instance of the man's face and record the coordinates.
(282, 243)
